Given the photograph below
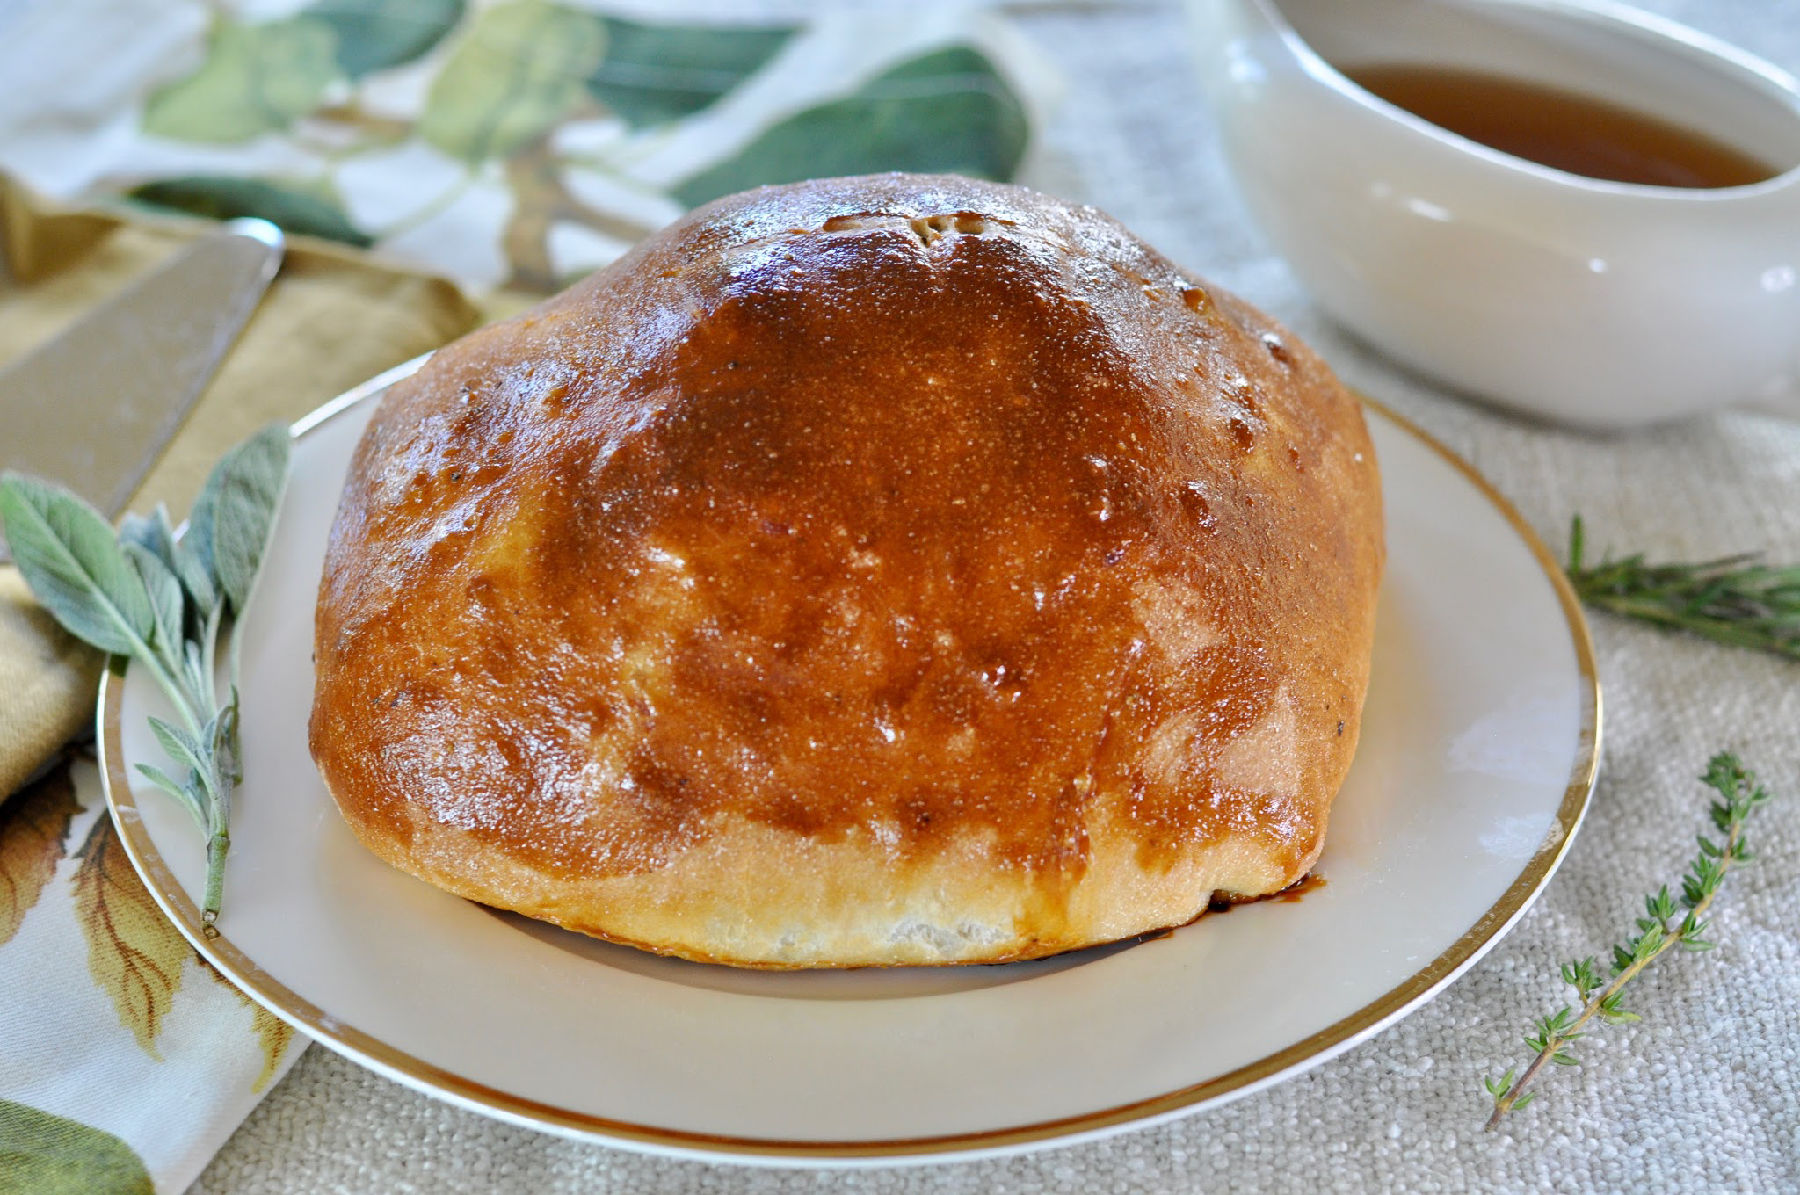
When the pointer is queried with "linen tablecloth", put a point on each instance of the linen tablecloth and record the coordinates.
(1704, 1094)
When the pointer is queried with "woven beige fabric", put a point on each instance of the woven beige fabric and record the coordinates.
(1704, 1095)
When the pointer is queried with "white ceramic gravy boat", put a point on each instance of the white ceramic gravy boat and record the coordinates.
(1601, 304)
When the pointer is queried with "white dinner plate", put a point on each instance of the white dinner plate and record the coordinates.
(1479, 747)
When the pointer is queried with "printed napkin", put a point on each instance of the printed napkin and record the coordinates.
(520, 143)
(511, 145)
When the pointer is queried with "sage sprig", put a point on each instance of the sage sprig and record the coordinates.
(1669, 923)
(1733, 599)
(165, 601)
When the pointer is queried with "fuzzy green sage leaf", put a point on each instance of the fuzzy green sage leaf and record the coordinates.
(168, 607)
(68, 555)
(246, 488)
(152, 532)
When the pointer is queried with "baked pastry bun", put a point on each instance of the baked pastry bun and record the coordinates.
(887, 570)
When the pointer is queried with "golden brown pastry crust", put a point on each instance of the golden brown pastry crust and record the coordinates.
(900, 569)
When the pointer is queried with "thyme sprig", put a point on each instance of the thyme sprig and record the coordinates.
(1669, 923)
(1732, 599)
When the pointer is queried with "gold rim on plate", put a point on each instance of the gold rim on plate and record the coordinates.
(1327, 1042)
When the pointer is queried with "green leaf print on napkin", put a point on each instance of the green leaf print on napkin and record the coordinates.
(308, 212)
(657, 73)
(48, 1155)
(373, 35)
(516, 71)
(948, 110)
(256, 79)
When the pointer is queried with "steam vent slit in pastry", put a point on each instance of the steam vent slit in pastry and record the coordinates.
(887, 570)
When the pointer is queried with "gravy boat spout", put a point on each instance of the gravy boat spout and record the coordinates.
(1595, 303)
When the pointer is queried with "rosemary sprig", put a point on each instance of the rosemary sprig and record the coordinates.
(164, 602)
(1669, 923)
(1732, 599)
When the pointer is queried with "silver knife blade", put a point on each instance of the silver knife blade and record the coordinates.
(94, 407)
